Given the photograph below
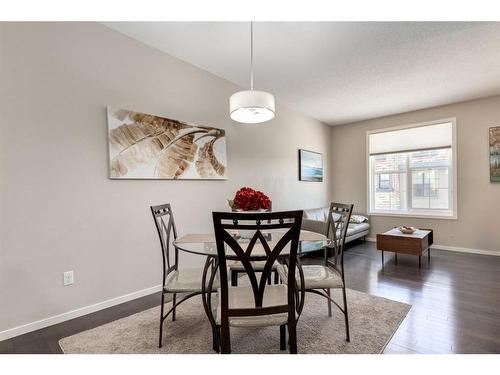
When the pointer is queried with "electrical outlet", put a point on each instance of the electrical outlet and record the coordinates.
(68, 278)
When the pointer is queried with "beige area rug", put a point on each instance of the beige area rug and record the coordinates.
(373, 321)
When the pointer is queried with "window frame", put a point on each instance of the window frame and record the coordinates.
(424, 213)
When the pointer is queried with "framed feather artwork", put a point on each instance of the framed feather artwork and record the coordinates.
(144, 146)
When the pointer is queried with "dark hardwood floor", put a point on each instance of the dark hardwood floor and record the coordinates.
(455, 303)
(455, 299)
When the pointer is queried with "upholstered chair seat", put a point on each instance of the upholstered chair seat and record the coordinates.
(242, 297)
(315, 276)
(186, 281)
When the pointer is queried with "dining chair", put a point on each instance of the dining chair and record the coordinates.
(258, 304)
(186, 281)
(321, 278)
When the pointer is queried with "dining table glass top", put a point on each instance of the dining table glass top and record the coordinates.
(204, 244)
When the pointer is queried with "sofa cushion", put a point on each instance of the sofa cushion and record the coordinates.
(318, 214)
(353, 229)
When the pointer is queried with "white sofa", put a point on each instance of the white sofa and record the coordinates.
(315, 220)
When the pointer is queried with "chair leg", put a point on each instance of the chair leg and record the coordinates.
(174, 300)
(292, 336)
(225, 340)
(346, 316)
(161, 318)
(329, 303)
(215, 339)
(283, 337)
(234, 278)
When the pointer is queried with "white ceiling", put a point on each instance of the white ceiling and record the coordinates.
(341, 72)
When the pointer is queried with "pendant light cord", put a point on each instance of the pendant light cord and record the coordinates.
(251, 55)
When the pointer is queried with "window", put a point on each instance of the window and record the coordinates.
(384, 182)
(412, 170)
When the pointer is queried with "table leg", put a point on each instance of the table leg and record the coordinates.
(396, 258)
(382, 259)
(429, 254)
(420, 261)
(211, 264)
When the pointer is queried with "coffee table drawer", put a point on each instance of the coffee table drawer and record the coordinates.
(400, 244)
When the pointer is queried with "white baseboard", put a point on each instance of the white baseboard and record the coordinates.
(455, 248)
(466, 250)
(33, 326)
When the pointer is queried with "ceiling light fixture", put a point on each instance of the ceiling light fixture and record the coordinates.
(251, 106)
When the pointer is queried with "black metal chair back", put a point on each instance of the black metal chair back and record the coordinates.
(337, 225)
(224, 223)
(165, 225)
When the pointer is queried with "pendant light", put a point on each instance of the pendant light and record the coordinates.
(251, 106)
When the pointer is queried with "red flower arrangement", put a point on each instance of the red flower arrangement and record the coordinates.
(247, 199)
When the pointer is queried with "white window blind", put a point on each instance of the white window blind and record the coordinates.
(412, 170)
(411, 139)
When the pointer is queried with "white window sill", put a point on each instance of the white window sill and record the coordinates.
(425, 215)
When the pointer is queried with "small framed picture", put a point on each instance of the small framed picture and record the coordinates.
(494, 154)
(310, 166)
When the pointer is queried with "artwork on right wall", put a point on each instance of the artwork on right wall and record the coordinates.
(495, 154)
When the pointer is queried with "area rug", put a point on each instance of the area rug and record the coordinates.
(373, 320)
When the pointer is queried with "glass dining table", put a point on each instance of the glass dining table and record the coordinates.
(205, 245)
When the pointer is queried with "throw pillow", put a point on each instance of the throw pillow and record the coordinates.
(358, 219)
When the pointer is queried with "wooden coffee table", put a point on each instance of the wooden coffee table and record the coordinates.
(413, 244)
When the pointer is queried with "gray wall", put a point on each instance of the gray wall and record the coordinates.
(478, 199)
(58, 209)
